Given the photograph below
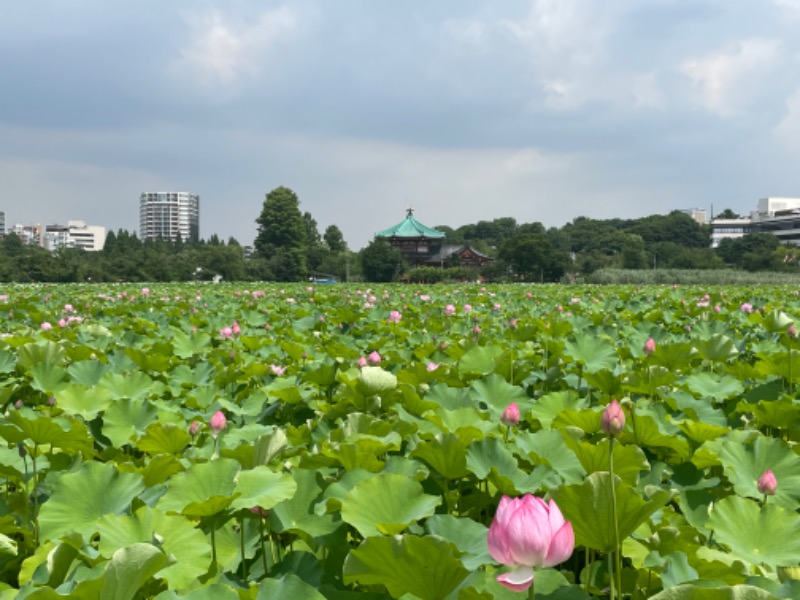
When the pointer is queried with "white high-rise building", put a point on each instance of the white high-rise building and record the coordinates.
(88, 237)
(166, 215)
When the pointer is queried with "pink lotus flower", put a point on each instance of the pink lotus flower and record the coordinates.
(362, 362)
(791, 331)
(395, 316)
(767, 484)
(746, 307)
(226, 332)
(432, 366)
(277, 370)
(649, 346)
(235, 329)
(217, 423)
(46, 326)
(527, 533)
(613, 421)
(511, 415)
(374, 358)
(449, 310)
(194, 427)
(467, 308)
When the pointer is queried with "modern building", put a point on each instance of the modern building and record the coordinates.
(168, 216)
(87, 237)
(779, 216)
(2, 223)
(699, 215)
(422, 245)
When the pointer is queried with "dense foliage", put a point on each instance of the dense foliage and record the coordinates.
(216, 441)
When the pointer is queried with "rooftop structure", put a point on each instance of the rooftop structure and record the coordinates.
(168, 216)
(779, 216)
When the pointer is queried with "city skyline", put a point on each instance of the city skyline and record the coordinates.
(543, 110)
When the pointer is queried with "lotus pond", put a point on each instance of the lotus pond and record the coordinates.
(336, 442)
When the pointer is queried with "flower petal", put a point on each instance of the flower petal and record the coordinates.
(517, 580)
(561, 546)
(528, 534)
(497, 542)
(555, 516)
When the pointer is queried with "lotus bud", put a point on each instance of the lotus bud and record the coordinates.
(649, 346)
(217, 423)
(613, 421)
(194, 427)
(362, 362)
(510, 415)
(374, 358)
(767, 484)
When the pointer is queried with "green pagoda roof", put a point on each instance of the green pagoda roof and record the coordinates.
(410, 228)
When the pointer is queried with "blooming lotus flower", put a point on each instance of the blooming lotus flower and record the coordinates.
(510, 415)
(746, 307)
(226, 332)
(613, 421)
(767, 484)
(277, 370)
(395, 316)
(235, 329)
(432, 366)
(649, 346)
(467, 308)
(374, 358)
(217, 423)
(449, 310)
(46, 326)
(527, 533)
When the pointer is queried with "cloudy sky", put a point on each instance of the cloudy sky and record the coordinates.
(541, 110)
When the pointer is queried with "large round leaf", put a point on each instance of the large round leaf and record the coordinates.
(761, 535)
(588, 506)
(423, 566)
(694, 592)
(288, 586)
(129, 569)
(79, 499)
(263, 487)
(204, 490)
(387, 503)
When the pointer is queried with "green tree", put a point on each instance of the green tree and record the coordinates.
(334, 238)
(727, 214)
(533, 257)
(281, 238)
(380, 262)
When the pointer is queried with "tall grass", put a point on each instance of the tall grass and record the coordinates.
(691, 276)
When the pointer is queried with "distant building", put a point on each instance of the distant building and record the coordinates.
(169, 215)
(700, 215)
(87, 237)
(421, 245)
(779, 216)
(28, 234)
(2, 223)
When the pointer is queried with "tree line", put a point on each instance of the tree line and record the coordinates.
(289, 247)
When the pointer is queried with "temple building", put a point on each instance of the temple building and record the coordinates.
(421, 245)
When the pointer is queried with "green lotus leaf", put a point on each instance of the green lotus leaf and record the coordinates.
(781, 414)
(648, 434)
(446, 454)
(81, 498)
(8, 547)
(549, 406)
(132, 386)
(745, 463)
(78, 399)
(717, 348)
(423, 566)
(466, 535)
(178, 537)
(288, 586)
(164, 438)
(188, 345)
(449, 398)
(203, 490)
(629, 460)
(768, 535)
(8, 362)
(374, 380)
(298, 513)
(152, 359)
(711, 385)
(64, 433)
(127, 418)
(479, 360)
(588, 506)
(46, 378)
(263, 487)
(387, 504)
(87, 372)
(550, 448)
(593, 352)
(40, 353)
(488, 454)
(777, 321)
(698, 592)
(497, 393)
(129, 569)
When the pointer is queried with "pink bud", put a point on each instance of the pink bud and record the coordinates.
(510, 415)
(767, 484)
(262, 513)
(217, 423)
(449, 310)
(791, 331)
(649, 346)
(235, 329)
(613, 421)
(46, 326)
(467, 308)
(226, 332)
(362, 362)
(194, 427)
(374, 358)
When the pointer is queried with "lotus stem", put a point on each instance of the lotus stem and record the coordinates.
(531, 593)
(241, 543)
(617, 547)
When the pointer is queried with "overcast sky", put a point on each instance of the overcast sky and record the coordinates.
(469, 110)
